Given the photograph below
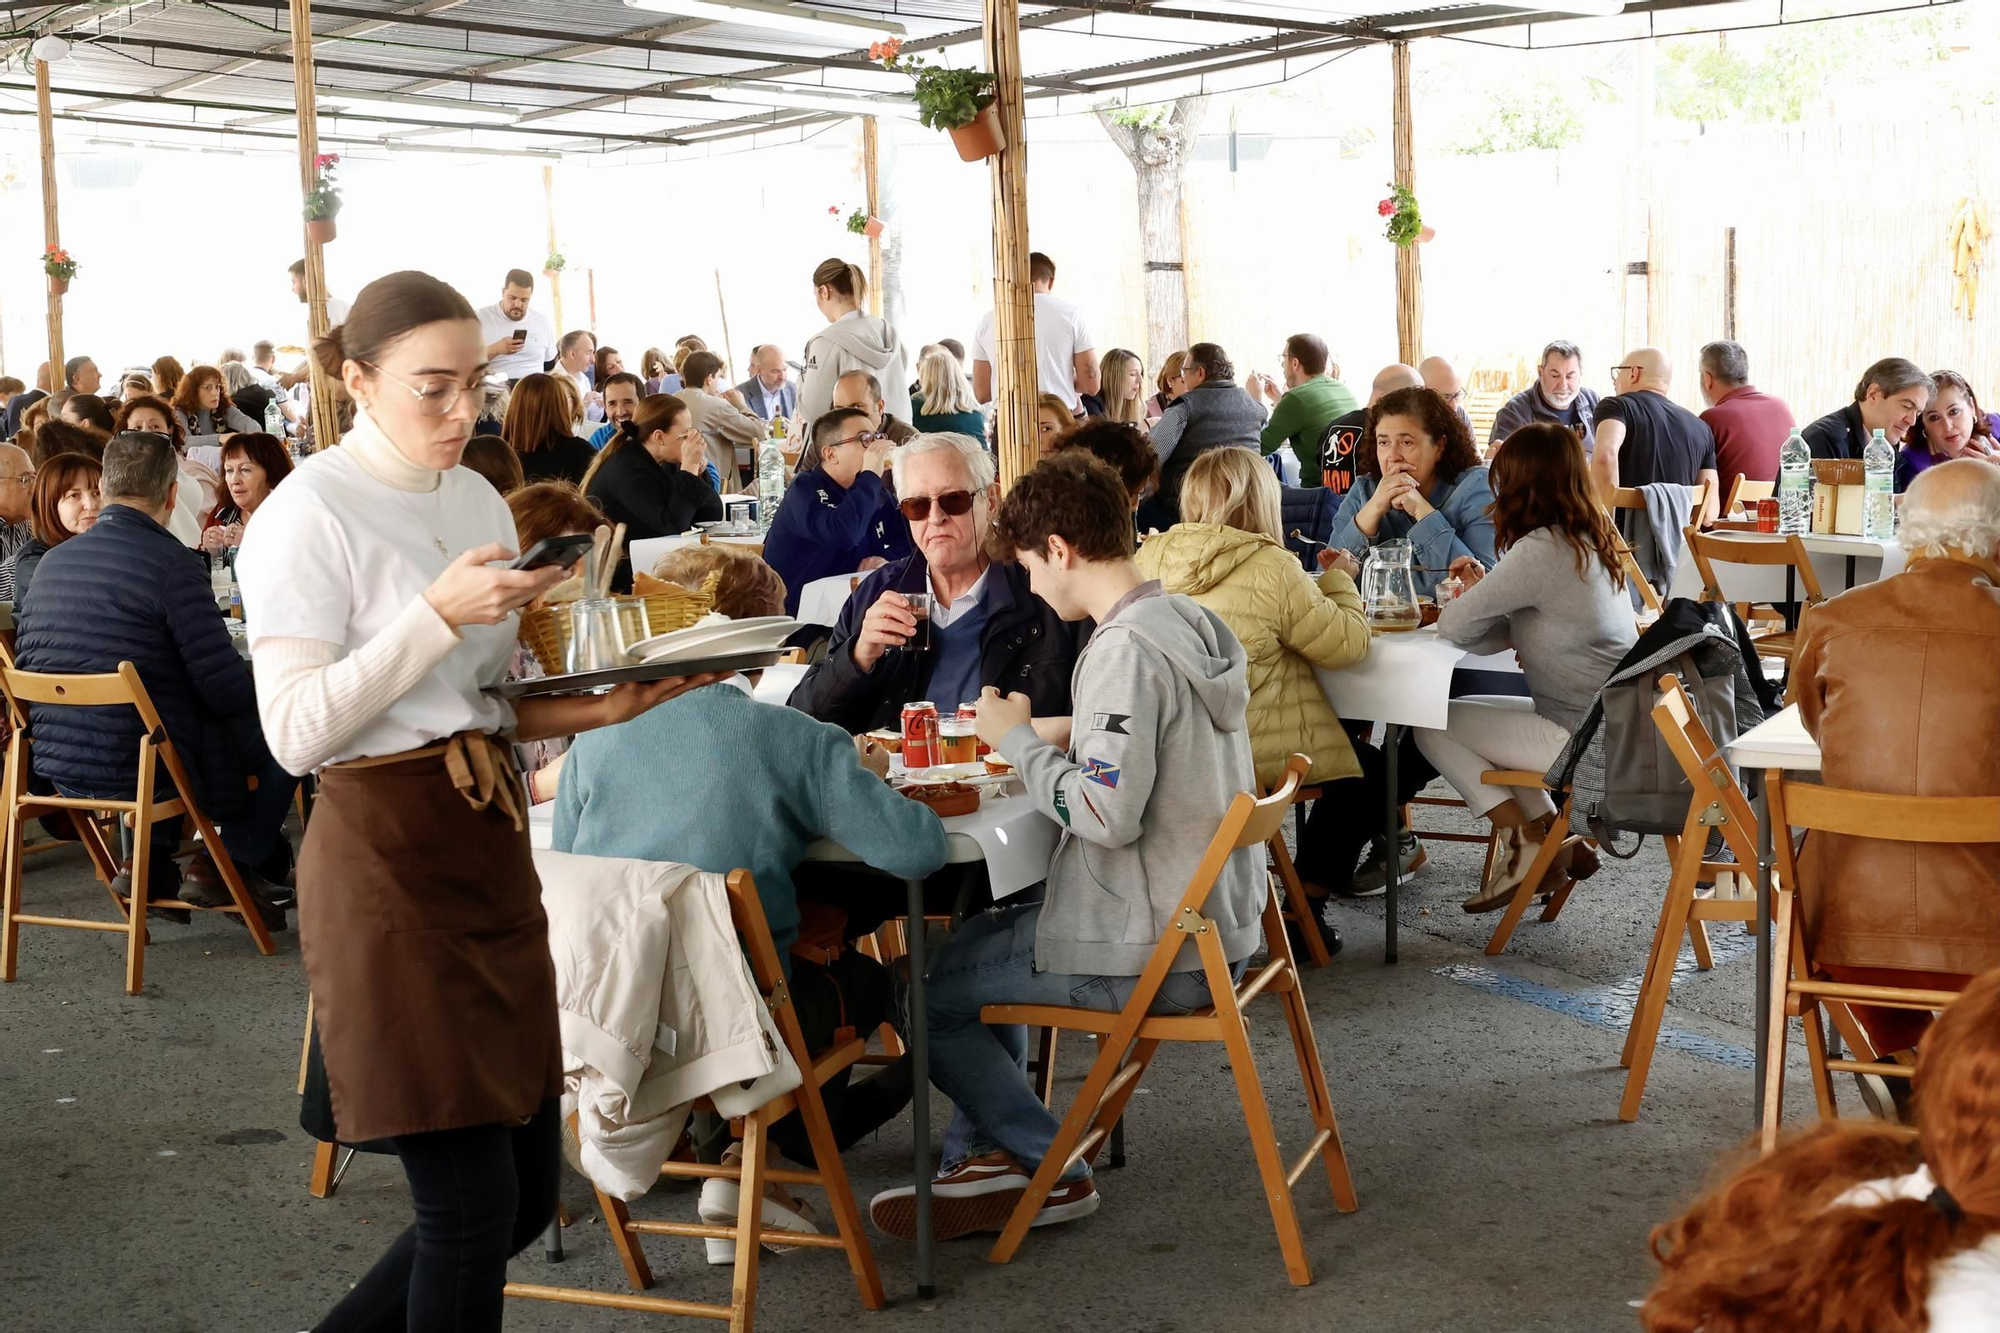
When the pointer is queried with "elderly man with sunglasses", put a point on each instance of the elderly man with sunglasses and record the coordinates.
(838, 516)
(947, 621)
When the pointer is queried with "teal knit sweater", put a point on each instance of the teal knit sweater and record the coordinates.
(652, 788)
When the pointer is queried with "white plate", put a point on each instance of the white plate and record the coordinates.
(707, 640)
(936, 773)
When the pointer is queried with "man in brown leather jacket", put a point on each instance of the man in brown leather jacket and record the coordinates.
(1895, 681)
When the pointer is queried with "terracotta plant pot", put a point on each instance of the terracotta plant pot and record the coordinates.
(874, 227)
(982, 138)
(320, 230)
(58, 285)
(1427, 235)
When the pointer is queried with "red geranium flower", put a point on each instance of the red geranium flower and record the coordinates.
(1385, 208)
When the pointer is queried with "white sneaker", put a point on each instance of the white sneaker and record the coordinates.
(718, 1207)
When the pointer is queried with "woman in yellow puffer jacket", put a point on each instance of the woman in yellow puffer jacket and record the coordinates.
(1227, 555)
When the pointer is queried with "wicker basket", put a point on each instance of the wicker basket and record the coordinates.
(546, 628)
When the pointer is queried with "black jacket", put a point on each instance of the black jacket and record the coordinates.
(1837, 434)
(561, 458)
(128, 591)
(1026, 648)
(1308, 510)
(26, 561)
(649, 498)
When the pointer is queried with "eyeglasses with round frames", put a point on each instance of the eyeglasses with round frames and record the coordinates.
(432, 400)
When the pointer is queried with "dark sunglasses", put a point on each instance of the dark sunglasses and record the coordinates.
(954, 503)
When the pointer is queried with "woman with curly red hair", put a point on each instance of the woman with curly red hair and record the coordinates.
(207, 414)
(1853, 1227)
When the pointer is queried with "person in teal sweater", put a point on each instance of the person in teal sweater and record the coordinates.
(648, 791)
(1313, 398)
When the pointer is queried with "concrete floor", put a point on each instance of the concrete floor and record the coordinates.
(153, 1177)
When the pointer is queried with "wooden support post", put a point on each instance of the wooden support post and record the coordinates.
(51, 232)
(1729, 283)
(1409, 265)
(1014, 375)
(555, 279)
(325, 414)
(871, 173)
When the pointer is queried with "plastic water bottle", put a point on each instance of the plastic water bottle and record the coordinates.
(220, 579)
(274, 420)
(1795, 486)
(1878, 512)
(770, 482)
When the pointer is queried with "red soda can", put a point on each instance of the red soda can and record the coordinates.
(920, 735)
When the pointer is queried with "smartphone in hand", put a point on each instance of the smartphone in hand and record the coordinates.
(563, 551)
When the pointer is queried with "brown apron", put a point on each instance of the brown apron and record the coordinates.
(420, 918)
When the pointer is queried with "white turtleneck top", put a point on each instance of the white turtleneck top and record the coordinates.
(351, 661)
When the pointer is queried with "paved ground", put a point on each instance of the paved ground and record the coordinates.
(153, 1177)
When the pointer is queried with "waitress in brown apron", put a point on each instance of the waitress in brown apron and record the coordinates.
(377, 624)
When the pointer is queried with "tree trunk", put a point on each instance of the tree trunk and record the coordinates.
(1159, 156)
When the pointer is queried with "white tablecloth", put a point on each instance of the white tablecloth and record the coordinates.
(821, 601)
(1405, 679)
(1779, 741)
(1766, 583)
(645, 554)
(1008, 832)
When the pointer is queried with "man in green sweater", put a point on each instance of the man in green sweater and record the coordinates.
(1313, 397)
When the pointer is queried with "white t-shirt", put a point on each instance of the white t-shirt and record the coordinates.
(1060, 334)
(336, 312)
(1964, 1293)
(537, 351)
(339, 555)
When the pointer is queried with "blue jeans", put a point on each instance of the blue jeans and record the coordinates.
(255, 836)
(990, 959)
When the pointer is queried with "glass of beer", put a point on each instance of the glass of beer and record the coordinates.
(958, 743)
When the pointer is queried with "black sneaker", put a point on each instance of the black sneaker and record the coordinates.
(162, 905)
(1328, 933)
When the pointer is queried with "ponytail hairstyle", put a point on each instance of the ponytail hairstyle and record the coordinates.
(842, 279)
(1777, 1245)
(657, 411)
(385, 312)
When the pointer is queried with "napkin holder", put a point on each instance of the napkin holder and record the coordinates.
(1839, 491)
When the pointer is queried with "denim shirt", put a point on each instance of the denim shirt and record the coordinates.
(1461, 524)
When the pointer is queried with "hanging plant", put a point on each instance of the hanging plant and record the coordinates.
(323, 199)
(555, 263)
(1406, 223)
(958, 101)
(56, 262)
(861, 222)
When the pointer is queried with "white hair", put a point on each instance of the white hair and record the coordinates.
(978, 463)
(941, 383)
(1952, 506)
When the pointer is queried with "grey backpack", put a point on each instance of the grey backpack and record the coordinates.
(1644, 788)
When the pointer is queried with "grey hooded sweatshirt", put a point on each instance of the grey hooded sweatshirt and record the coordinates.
(1158, 750)
(850, 343)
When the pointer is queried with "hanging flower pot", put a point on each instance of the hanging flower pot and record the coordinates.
(60, 268)
(320, 231)
(323, 199)
(873, 227)
(983, 137)
(1427, 235)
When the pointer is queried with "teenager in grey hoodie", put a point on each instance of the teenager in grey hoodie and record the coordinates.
(852, 340)
(1159, 747)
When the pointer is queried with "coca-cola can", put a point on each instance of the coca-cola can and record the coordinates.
(920, 735)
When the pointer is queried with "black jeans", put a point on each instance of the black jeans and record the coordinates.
(1350, 815)
(482, 1194)
(853, 992)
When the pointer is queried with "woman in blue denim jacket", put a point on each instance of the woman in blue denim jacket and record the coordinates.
(1418, 478)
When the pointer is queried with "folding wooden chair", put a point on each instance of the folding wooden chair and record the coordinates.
(1631, 497)
(1297, 907)
(748, 915)
(1797, 991)
(1718, 803)
(1539, 870)
(1709, 549)
(1113, 1078)
(122, 689)
(1746, 492)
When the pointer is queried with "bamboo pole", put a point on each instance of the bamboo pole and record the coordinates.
(555, 279)
(325, 413)
(1014, 376)
(51, 232)
(871, 172)
(1409, 264)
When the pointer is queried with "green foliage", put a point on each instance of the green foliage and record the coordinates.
(555, 263)
(1406, 221)
(1538, 116)
(947, 99)
(1141, 117)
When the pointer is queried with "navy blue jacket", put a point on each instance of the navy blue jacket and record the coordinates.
(1025, 647)
(823, 529)
(1308, 510)
(127, 590)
